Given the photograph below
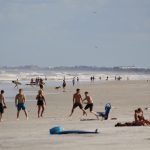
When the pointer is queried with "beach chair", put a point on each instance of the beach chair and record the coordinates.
(105, 114)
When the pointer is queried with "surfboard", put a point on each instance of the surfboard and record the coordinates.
(16, 82)
(31, 84)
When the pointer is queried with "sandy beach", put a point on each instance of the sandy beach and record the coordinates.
(33, 134)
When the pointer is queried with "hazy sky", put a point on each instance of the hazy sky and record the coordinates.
(75, 32)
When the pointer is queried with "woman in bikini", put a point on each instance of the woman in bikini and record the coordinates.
(41, 103)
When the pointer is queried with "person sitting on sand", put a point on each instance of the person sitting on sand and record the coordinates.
(89, 104)
(139, 120)
(20, 103)
(2, 104)
(139, 117)
(41, 103)
(77, 102)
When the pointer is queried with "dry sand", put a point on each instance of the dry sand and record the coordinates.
(125, 96)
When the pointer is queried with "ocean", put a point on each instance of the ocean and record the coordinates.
(55, 78)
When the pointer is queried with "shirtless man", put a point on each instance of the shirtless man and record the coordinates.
(89, 104)
(20, 103)
(77, 102)
(2, 104)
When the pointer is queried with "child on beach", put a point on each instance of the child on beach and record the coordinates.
(77, 102)
(2, 104)
(89, 104)
(41, 103)
(20, 103)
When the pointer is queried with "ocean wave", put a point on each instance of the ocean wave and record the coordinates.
(57, 76)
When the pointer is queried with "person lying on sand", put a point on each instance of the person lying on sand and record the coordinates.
(139, 120)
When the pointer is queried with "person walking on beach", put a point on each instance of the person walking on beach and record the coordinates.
(41, 87)
(2, 104)
(41, 103)
(20, 103)
(16, 83)
(89, 104)
(107, 78)
(77, 102)
(91, 79)
(64, 85)
(73, 81)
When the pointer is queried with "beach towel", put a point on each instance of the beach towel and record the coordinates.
(60, 130)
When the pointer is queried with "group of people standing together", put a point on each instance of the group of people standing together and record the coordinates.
(20, 103)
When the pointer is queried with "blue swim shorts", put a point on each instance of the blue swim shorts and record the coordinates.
(21, 106)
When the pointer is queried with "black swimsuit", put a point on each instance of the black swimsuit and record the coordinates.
(40, 101)
(1, 108)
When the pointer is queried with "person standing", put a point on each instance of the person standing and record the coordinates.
(41, 103)
(2, 104)
(41, 87)
(64, 85)
(20, 103)
(73, 81)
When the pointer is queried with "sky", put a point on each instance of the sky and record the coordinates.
(75, 32)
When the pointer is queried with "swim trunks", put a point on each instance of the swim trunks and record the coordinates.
(21, 106)
(89, 106)
(1, 109)
(77, 105)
